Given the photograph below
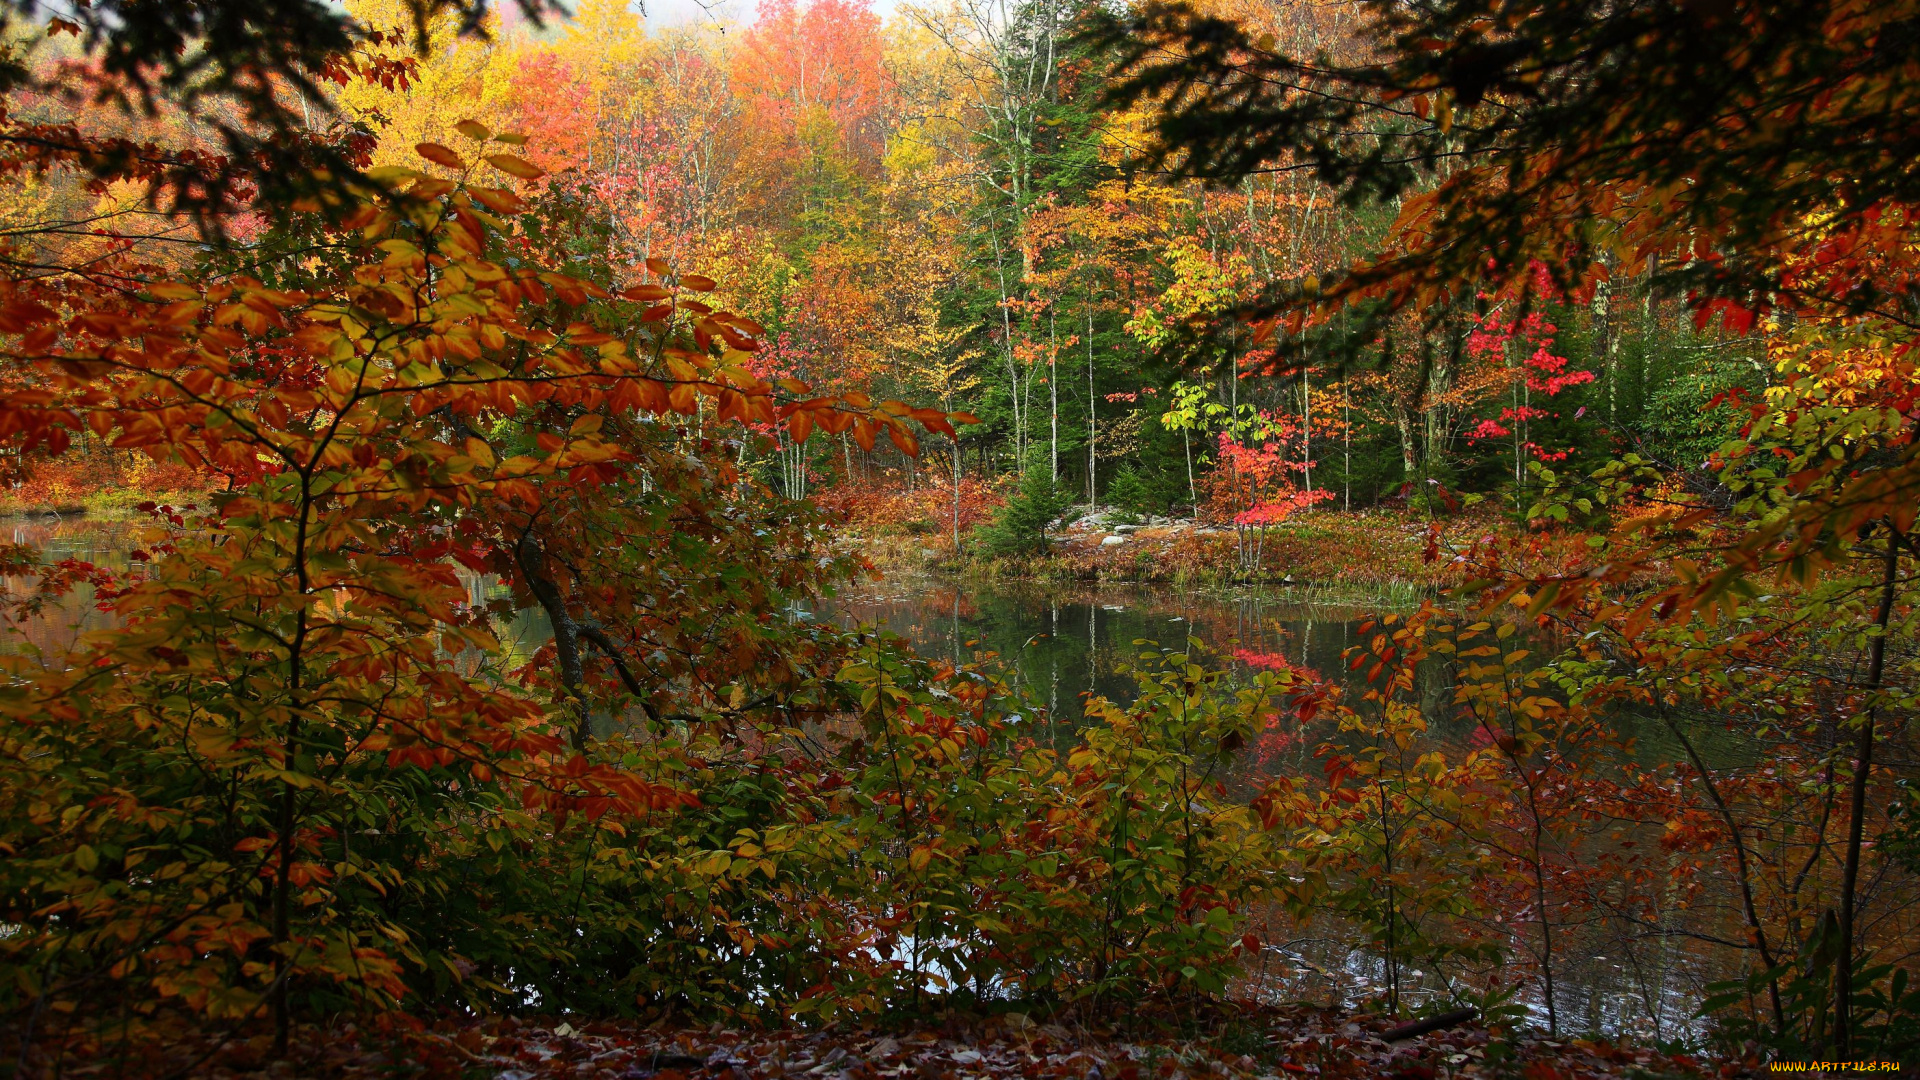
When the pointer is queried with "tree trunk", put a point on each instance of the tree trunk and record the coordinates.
(1346, 435)
(1306, 429)
(1053, 399)
(1403, 419)
(1603, 340)
(1013, 369)
(1093, 416)
(566, 632)
(1862, 772)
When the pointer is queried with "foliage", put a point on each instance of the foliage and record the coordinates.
(1523, 107)
(1535, 152)
(96, 478)
(925, 510)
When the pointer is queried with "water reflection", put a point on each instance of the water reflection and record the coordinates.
(108, 544)
(1059, 642)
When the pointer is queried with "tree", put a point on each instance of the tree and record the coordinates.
(813, 84)
(411, 399)
(1021, 526)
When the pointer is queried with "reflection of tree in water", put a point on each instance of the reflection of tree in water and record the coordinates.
(1059, 643)
(107, 544)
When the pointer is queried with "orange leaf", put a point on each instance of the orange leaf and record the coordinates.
(933, 420)
(800, 425)
(440, 155)
(515, 166)
(498, 200)
(473, 129)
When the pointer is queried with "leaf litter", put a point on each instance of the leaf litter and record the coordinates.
(1244, 1043)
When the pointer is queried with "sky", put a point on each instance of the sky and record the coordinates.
(665, 13)
(662, 14)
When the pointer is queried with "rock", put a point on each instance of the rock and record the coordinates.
(1113, 541)
(1125, 529)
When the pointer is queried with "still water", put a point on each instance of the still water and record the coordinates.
(1058, 643)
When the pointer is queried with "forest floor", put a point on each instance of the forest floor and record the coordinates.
(1249, 1043)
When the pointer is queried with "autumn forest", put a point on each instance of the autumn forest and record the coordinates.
(454, 454)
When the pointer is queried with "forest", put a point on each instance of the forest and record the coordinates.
(539, 536)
